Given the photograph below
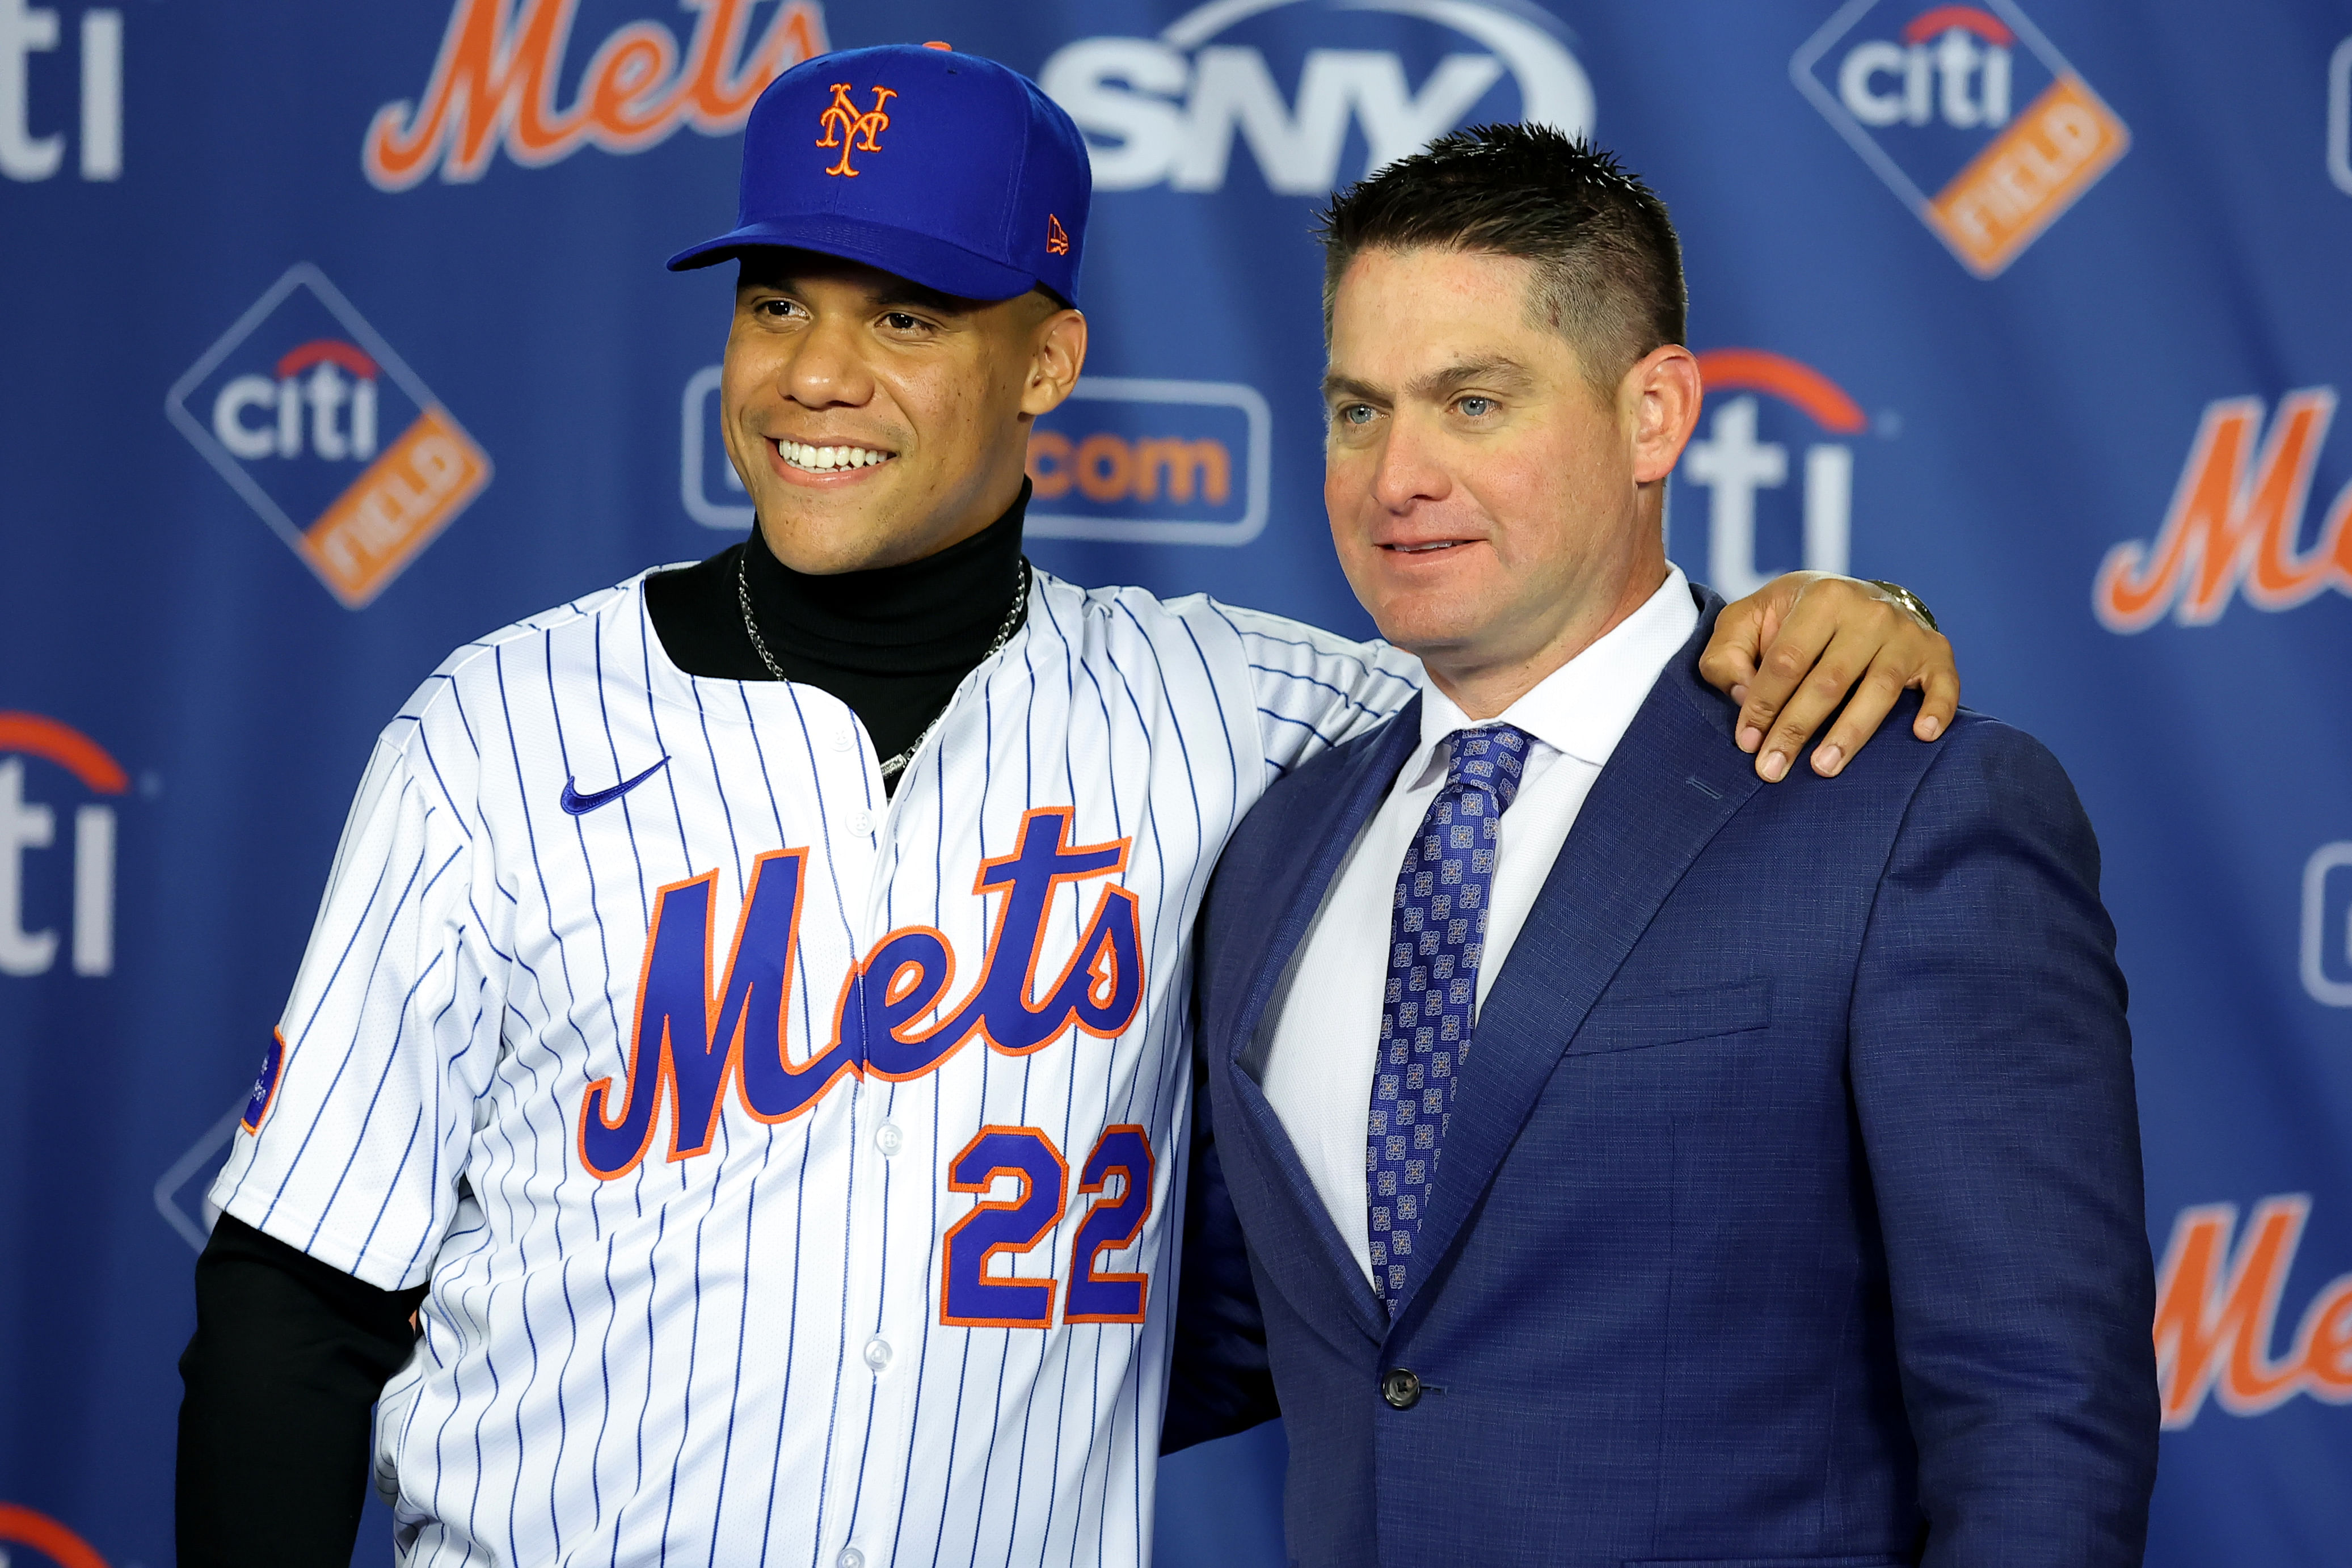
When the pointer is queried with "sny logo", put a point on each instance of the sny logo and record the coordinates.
(1735, 465)
(495, 81)
(2235, 521)
(2217, 1315)
(690, 1042)
(26, 824)
(287, 433)
(1167, 109)
(1933, 110)
(845, 127)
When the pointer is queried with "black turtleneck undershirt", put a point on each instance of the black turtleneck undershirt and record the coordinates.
(892, 643)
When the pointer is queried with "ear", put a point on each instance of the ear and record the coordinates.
(1060, 353)
(1659, 402)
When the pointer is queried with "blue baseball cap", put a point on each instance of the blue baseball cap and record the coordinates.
(945, 169)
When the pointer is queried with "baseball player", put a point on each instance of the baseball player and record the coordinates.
(747, 1023)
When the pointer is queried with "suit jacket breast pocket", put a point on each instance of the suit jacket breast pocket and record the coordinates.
(1723, 1010)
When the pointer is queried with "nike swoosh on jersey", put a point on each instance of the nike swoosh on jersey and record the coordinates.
(580, 805)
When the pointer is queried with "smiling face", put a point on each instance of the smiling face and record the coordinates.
(876, 421)
(1493, 512)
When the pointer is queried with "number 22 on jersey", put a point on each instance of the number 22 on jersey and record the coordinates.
(1116, 1176)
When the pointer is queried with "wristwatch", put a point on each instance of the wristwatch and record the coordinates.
(1908, 600)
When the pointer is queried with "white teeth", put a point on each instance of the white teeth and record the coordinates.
(829, 460)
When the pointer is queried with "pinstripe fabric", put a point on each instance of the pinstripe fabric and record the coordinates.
(675, 1364)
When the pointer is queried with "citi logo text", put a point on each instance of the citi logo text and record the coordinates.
(29, 944)
(30, 153)
(691, 1042)
(334, 429)
(2216, 1311)
(2236, 522)
(1735, 468)
(494, 83)
(1953, 63)
(334, 382)
(1169, 110)
(1966, 68)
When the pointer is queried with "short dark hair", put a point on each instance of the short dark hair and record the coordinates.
(1609, 269)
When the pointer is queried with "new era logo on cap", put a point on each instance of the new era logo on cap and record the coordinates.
(943, 168)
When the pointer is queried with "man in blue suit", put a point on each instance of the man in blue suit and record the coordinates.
(1601, 1211)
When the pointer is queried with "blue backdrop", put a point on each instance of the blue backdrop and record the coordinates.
(336, 335)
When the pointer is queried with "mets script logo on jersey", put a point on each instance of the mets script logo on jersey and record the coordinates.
(848, 128)
(1755, 514)
(309, 415)
(41, 877)
(24, 1533)
(690, 1041)
(495, 82)
(2217, 1315)
(2236, 521)
(1935, 108)
(1167, 109)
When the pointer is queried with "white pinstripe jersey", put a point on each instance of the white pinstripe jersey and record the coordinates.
(848, 1237)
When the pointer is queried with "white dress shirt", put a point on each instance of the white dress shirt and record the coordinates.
(1320, 1039)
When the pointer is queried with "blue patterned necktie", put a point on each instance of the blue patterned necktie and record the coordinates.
(1437, 931)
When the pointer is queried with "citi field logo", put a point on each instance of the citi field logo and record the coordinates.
(2217, 1309)
(57, 889)
(1169, 110)
(2236, 522)
(494, 86)
(1763, 517)
(30, 1539)
(309, 414)
(1970, 102)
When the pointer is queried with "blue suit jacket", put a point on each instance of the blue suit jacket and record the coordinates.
(1790, 1208)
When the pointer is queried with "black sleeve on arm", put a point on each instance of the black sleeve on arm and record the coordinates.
(1218, 1379)
(281, 1378)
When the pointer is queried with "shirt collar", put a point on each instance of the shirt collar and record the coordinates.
(1584, 706)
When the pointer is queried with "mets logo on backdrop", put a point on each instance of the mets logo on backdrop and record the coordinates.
(2217, 1315)
(309, 415)
(2236, 522)
(495, 83)
(1970, 103)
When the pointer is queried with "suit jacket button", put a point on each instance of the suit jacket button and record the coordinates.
(1402, 1389)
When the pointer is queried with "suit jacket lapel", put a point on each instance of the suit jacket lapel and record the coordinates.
(1294, 893)
(1672, 784)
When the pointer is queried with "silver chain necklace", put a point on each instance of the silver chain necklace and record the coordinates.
(897, 764)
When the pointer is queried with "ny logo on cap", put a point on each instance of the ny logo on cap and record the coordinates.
(843, 126)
